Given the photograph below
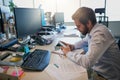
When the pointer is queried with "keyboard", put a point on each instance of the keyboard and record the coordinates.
(37, 60)
(7, 43)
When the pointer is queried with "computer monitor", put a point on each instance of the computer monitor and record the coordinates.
(58, 17)
(27, 21)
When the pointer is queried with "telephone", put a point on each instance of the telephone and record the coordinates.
(39, 40)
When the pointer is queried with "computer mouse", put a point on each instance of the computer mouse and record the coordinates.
(15, 59)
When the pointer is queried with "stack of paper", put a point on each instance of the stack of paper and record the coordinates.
(62, 68)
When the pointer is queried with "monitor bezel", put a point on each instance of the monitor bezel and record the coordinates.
(16, 23)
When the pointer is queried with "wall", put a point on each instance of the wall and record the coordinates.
(111, 7)
(114, 26)
(24, 3)
(66, 6)
(1, 2)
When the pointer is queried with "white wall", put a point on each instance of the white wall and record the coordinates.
(112, 7)
(69, 6)
(1, 3)
(66, 6)
(113, 10)
(24, 3)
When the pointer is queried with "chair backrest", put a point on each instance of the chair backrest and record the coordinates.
(119, 43)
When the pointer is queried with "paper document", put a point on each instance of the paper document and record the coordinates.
(70, 40)
(60, 52)
(71, 33)
(64, 69)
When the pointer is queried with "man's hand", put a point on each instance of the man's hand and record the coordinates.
(66, 44)
(66, 49)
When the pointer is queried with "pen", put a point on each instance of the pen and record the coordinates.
(56, 65)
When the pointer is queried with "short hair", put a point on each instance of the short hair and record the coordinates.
(83, 14)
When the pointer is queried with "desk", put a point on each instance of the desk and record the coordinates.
(66, 70)
(58, 73)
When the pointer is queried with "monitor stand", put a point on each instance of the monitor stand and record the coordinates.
(24, 40)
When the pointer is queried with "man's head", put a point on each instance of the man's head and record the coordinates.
(84, 19)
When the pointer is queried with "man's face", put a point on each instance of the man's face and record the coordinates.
(82, 28)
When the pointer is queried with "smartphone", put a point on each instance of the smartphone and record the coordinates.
(62, 44)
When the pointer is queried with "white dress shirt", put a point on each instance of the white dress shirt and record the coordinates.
(103, 54)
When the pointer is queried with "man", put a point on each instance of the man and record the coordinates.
(103, 55)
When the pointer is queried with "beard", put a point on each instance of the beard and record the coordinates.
(85, 30)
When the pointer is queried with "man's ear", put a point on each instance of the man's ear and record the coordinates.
(89, 23)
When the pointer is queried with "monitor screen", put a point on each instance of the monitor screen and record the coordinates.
(27, 21)
(59, 17)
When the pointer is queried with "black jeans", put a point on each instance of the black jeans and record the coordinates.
(93, 75)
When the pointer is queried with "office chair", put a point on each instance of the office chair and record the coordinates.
(100, 10)
(102, 18)
(118, 43)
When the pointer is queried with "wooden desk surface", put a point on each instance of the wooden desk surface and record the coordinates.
(67, 70)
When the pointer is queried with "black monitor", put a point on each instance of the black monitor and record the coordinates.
(27, 21)
(58, 17)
